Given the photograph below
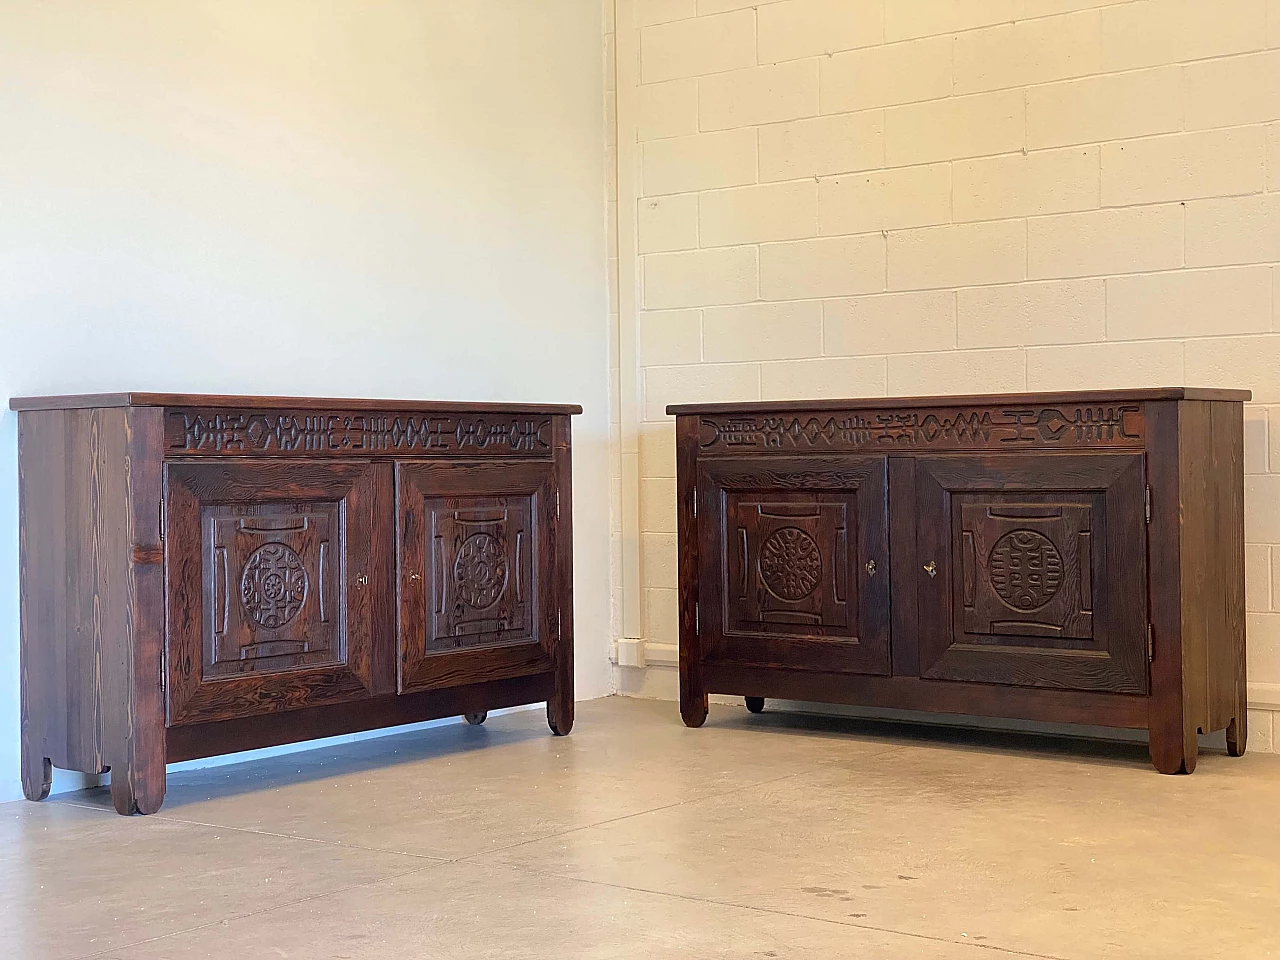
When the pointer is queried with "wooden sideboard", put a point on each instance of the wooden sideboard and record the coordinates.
(204, 574)
(1074, 558)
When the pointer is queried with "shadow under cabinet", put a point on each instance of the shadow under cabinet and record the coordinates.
(202, 575)
(1074, 558)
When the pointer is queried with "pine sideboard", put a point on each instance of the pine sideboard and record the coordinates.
(207, 574)
(1072, 558)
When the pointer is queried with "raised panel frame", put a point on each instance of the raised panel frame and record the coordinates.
(1110, 490)
(841, 632)
(522, 643)
(204, 685)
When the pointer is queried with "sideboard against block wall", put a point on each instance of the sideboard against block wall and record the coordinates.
(202, 575)
(1076, 558)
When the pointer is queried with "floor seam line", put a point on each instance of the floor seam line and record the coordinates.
(708, 901)
(628, 816)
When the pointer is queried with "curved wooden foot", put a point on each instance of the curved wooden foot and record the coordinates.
(560, 718)
(1237, 736)
(755, 704)
(127, 800)
(693, 710)
(475, 719)
(37, 776)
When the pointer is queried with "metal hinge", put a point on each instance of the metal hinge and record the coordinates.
(162, 521)
(1148, 504)
(697, 619)
(695, 503)
(1151, 647)
(557, 504)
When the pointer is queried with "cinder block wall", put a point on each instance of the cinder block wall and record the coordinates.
(823, 198)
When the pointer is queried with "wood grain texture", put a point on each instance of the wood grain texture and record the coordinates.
(980, 399)
(261, 492)
(1027, 578)
(560, 705)
(310, 723)
(794, 562)
(1041, 644)
(447, 635)
(186, 606)
(931, 696)
(141, 399)
(693, 692)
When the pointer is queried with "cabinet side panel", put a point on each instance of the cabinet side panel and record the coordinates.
(1226, 639)
(693, 692)
(1199, 555)
(43, 539)
(560, 709)
(1173, 743)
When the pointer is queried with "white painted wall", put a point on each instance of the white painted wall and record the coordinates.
(397, 198)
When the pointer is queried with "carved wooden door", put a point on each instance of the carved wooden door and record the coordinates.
(277, 579)
(476, 557)
(794, 562)
(1033, 570)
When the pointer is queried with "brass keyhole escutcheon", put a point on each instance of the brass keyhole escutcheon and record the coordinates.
(362, 580)
(871, 567)
(931, 568)
(415, 577)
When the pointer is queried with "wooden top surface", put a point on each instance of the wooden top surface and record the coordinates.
(976, 400)
(91, 400)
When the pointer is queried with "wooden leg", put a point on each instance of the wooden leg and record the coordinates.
(37, 774)
(560, 715)
(693, 699)
(755, 704)
(1237, 735)
(1173, 750)
(131, 793)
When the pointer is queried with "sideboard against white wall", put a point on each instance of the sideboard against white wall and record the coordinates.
(203, 575)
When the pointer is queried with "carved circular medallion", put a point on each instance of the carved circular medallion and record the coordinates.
(790, 564)
(480, 571)
(1025, 569)
(273, 586)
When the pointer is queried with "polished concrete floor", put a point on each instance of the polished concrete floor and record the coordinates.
(772, 836)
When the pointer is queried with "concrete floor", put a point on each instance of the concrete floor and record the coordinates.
(779, 836)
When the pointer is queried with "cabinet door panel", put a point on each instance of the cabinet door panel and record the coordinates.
(1033, 571)
(272, 574)
(794, 563)
(475, 564)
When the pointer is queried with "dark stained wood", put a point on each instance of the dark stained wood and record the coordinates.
(1041, 576)
(560, 705)
(1174, 748)
(903, 564)
(476, 572)
(794, 562)
(104, 400)
(1026, 578)
(1087, 397)
(184, 605)
(693, 692)
(930, 696)
(134, 697)
(306, 432)
(311, 723)
(272, 571)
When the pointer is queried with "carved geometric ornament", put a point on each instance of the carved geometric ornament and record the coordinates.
(480, 571)
(273, 585)
(790, 564)
(1025, 569)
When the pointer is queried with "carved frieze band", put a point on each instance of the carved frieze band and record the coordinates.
(955, 428)
(308, 433)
